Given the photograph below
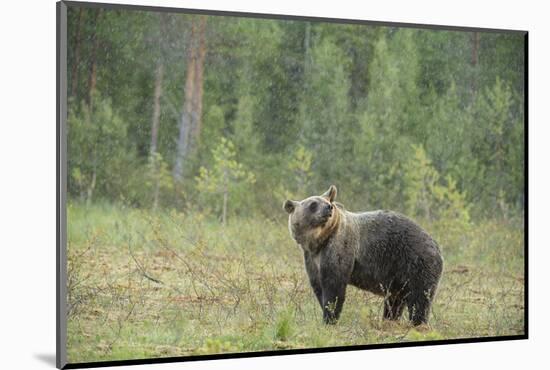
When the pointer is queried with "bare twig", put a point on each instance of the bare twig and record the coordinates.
(141, 269)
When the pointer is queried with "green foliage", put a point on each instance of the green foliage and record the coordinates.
(431, 197)
(213, 346)
(325, 112)
(284, 329)
(500, 134)
(158, 177)
(393, 102)
(305, 104)
(225, 170)
(421, 179)
(100, 160)
(224, 177)
(159, 172)
(415, 335)
(298, 175)
(244, 136)
(452, 203)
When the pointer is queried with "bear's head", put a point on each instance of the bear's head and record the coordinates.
(313, 219)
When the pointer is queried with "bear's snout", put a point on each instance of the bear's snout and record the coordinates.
(327, 211)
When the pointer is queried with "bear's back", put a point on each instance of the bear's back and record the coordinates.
(392, 249)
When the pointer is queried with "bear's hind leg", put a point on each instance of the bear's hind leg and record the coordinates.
(393, 307)
(418, 304)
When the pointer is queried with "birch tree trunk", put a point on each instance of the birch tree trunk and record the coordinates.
(92, 79)
(91, 187)
(475, 60)
(92, 76)
(307, 40)
(191, 117)
(196, 117)
(155, 122)
(225, 196)
(76, 62)
(154, 130)
(185, 120)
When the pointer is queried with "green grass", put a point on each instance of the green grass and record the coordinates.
(243, 288)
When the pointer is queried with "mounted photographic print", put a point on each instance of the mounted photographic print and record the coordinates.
(234, 184)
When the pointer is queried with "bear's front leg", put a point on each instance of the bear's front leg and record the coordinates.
(334, 295)
(314, 277)
(335, 271)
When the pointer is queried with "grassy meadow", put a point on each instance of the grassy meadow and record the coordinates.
(144, 284)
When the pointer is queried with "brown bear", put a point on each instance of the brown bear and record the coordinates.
(382, 252)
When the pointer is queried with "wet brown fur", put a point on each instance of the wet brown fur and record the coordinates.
(380, 251)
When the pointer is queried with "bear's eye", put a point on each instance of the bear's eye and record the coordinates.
(313, 207)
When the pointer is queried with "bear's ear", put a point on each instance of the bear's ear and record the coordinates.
(330, 194)
(290, 206)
